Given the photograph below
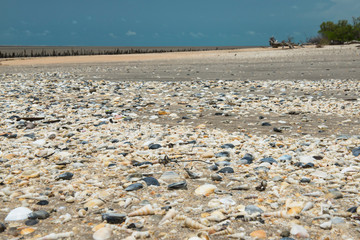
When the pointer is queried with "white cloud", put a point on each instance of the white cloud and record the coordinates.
(112, 35)
(74, 22)
(130, 33)
(251, 32)
(197, 35)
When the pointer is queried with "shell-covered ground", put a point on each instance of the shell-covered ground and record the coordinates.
(201, 159)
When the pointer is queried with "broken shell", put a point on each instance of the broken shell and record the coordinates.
(217, 216)
(294, 211)
(102, 234)
(205, 189)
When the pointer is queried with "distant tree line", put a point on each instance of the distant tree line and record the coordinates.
(18, 53)
(337, 33)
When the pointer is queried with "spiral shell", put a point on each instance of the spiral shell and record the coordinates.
(146, 210)
(279, 214)
(190, 223)
(226, 231)
(168, 216)
(180, 217)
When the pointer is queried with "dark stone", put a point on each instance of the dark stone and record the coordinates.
(151, 181)
(134, 187)
(191, 142)
(12, 135)
(305, 180)
(112, 165)
(213, 168)
(42, 202)
(308, 165)
(127, 119)
(248, 157)
(31, 222)
(265, 124)
(113, 218)
(287, 238)
(114, 140)
(2, 227)
(251, 209)
(65, 176)
(352, 209)
(222, 154)
(228, 145)
(154, 146)
(138, 164)
(226, 170)
(277, 130)
(268, 160)
(177, 185)
(318, 157)
(40, 214)
(30, 135)
(298, 164)
(356, 151)
(285, 233)
(216, 177)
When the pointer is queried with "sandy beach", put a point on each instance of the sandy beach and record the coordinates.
(232, 144)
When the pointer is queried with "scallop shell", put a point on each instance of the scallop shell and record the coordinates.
(146, 210)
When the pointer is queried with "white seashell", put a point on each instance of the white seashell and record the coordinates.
(168, 216)
(216, 216)
(279, 214)
(205, 190)
(308, 206)
(54, 236)
(18, 214)
(190, 223)
(226, 231)
(146, 210)
(237, 235)
(326, 225)
(299, 231)
(128, 201)
(102, 234)
(180, 217)
(140, 235)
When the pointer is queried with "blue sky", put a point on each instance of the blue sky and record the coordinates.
(165, 22)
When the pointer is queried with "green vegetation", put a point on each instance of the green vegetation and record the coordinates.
(338, 33)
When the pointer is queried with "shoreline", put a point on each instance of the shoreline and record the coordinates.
(125, 57)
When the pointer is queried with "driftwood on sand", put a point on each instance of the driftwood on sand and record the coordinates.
(275, 44)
